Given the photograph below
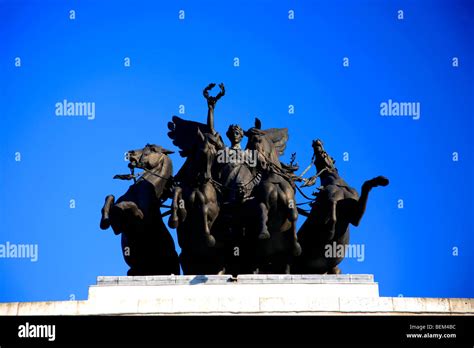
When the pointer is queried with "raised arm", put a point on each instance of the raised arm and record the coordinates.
(211, 103)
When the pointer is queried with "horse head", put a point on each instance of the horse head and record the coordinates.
(321, 158)
(259, 140)
(148, 157)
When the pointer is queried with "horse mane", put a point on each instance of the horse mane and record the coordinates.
(158, 177)
(323, 160)
(160, 149)
(275, 138)
(188, 136)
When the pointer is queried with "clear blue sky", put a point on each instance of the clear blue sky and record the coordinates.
(282, 62)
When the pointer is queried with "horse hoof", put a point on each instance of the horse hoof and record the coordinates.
(211, 241)
(375, 182)
(173, 223)
(104, 223)
(380, 181)
(331, 235)
(264, 235)
(297, 249)
(138, 214)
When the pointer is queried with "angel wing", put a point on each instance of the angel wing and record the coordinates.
(185, 133)
(277, 136)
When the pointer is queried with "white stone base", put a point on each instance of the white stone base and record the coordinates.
(246, 295)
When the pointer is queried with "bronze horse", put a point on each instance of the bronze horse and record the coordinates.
(272, 212)
(336, 206)
(147, 245)
(195, 205)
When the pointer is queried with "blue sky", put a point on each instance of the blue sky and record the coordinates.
(282, 62)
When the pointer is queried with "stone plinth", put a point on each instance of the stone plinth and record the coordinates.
(247, 294)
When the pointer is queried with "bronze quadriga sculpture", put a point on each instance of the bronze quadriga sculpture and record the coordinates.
(234, 209)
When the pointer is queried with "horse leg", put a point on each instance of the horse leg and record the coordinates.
(263, 228)
(130, 209)
(177, 206)
(296, 245)
(364, 196)
(105, 219)
(132, 272)
(287, 197)
(173, 219)
(332, 219)
(201, 199)
(212, 208)
(266, 195)
(182, 213)
(334, 270)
